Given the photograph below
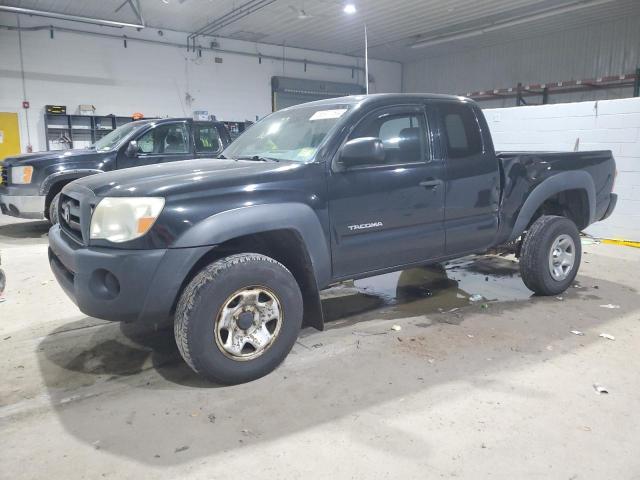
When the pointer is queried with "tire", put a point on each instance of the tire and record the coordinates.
(209, 299)
(541, 272)
(53, 209)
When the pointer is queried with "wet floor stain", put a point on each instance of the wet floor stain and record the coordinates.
(428, 290)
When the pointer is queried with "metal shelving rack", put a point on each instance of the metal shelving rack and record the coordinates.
(543, 90)
(78, 131)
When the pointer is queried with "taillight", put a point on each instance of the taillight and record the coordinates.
(615, 175)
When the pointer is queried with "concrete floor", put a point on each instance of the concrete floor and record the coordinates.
(492, 389)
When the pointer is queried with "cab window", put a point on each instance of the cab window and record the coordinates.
(403, 135)
(461, 131)
(167, 139)
(207, 139)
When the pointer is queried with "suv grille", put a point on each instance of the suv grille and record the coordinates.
(69, 216)
(4, 175)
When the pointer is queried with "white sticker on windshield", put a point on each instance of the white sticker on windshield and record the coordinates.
(327, 114)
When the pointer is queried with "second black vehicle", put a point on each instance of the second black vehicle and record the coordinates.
(235, 251)
(30, 184)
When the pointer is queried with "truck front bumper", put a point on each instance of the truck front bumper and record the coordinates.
(14, 204)
(121, 285)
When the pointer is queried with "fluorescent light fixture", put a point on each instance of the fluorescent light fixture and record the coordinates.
(510, 22)
(350, 9)
(72, 18)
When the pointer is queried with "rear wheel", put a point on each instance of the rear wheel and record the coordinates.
(551, 254)
(238, 318)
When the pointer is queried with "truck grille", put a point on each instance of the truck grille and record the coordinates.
(69, 217)
(4, 175)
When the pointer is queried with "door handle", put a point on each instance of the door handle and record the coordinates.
(433, 184)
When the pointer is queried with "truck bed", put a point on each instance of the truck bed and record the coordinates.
(522, 172)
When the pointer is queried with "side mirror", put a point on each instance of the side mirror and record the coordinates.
(362, 151)
(132, 149)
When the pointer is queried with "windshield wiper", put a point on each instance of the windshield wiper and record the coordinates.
(258, 158)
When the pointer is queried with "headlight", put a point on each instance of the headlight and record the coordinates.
(120, 219)
(21, 175)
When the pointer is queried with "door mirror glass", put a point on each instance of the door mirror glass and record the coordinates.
(132, 149)
(362, 151)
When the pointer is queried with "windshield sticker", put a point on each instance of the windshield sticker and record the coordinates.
(306, 153)
(327, 114)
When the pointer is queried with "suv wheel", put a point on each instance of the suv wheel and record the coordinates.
(53, 209)
(238, 318)
(551, 253)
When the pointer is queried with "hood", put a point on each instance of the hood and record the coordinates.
(37, 157)
(174, 178)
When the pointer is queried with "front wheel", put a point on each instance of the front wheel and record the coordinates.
(551, 254)
(238, 318)
(53, 209)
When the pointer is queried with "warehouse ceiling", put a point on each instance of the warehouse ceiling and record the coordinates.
(398, 30)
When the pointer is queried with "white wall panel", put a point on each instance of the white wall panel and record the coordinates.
(601, 125)
(74, 69)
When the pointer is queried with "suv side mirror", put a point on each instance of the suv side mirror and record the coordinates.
(362, 151)
(132, 149)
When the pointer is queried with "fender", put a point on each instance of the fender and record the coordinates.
(574, 180)
(299, 217)
(65, 175)
(242, 221)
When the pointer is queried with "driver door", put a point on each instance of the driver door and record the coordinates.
(390, 214)
(166, 142)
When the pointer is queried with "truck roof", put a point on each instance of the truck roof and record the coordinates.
(383, 99)
(171, 119)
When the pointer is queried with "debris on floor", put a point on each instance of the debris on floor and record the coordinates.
(608, 336)
(600, 389)
(476, 297)
(610, 305)
(578, 332)
(396, 328)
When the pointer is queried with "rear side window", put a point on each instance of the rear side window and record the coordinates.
(461, 130)
(207, 139)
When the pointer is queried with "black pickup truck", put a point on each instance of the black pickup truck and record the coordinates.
(30, 183)
(235, 250)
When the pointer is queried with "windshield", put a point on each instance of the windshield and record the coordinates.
(292, 134)
(113, 139)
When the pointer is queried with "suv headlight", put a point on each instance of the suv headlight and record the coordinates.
(120, 219)
(21, 175)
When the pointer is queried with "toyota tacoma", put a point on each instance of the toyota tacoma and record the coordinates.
(235, 250)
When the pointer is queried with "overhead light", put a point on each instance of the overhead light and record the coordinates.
(350, 9)
(428, 42)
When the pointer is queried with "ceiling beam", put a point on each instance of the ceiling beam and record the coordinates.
(135, 6)
(72, 18)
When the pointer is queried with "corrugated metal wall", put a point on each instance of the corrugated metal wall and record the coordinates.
(603, 49)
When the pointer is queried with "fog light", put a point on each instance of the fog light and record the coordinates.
(104, 284)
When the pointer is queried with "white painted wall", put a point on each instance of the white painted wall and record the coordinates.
(601, 125)
(74, 69)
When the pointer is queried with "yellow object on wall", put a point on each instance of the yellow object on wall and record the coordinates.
(9, 135)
